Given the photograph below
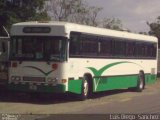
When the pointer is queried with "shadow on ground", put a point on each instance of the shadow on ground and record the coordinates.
(8, 96)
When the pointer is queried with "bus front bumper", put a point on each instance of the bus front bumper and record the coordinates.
(59, 88)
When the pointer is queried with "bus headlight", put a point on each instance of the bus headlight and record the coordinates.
(52, 80)
(15, 78)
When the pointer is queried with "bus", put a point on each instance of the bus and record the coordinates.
(62, 57)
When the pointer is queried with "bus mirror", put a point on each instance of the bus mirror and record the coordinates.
(3, 47)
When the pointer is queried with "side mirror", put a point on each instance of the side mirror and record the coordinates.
(3, 47)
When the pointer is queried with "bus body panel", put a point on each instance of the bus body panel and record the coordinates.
(56, 30)
(38, 76)
(117, 73)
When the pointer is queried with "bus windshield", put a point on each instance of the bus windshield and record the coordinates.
(38, 48)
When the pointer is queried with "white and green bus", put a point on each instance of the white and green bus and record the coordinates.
(61, 57)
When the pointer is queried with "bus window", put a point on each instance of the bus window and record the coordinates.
(105, 47)
(39, 49)
(28, 48)
(56, 49)
(85, 50)
(74, 44)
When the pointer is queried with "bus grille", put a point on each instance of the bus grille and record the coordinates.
(34, 79)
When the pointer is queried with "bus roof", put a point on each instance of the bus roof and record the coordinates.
(66, 27)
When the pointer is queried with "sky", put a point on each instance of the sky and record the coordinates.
(133, 13)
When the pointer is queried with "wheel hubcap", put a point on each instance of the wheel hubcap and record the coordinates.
(85, 88)
(141, 83)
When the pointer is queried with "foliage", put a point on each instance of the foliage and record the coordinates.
(155, 28)
(78, 11)
(114, 24)
(13, 11)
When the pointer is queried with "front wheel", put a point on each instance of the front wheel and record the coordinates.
(84, 89)
(140, 82)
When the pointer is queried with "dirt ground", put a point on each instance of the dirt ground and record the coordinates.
(12, 103)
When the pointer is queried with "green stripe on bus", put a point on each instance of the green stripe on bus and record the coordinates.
(75, 86)
(111, 83)
(120, 82)
(116, 82)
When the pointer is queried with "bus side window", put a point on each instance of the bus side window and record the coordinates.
(105, 47)
(74, 46)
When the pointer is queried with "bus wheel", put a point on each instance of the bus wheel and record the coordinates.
(85, 89)
(140, 82)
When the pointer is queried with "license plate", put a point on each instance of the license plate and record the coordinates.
(32, 87)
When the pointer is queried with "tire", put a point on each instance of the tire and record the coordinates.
(140, 82)
(84, 89)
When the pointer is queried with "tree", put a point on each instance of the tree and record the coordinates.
(143, 33)
(113, 23)
(76, 11)
(61, 10)
(13, 11)
(155, 28)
